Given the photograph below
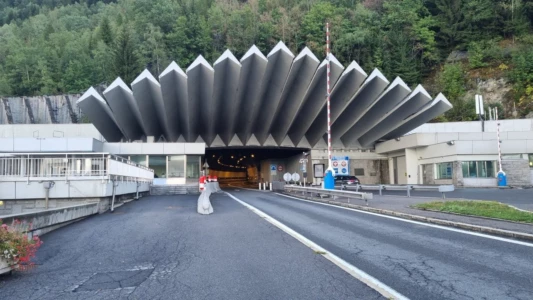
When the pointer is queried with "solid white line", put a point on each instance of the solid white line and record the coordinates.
(359, 274)
(418, 223)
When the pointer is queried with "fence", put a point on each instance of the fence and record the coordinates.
(71, 166)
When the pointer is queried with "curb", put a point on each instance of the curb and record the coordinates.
(470, 227)
(478, 217)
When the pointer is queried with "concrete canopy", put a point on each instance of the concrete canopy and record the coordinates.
(273, 101)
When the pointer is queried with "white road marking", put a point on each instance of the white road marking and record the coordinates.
(359, 274)
(418, 223)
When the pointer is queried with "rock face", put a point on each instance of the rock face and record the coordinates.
(518, 172)
(494, 89)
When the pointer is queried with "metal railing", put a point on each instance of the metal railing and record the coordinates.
(408, 188)
(333, 193)
(62, 165)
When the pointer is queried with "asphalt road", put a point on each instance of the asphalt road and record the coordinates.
(517, 197)
(418, 261)
(160, 248)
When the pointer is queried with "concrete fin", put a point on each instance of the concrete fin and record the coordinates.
(118, 83)
(200, 60)
(306, 52)
(145, 75)
(333, 60)
(253, 51)
(253, 141)
(217, 142)
(270, 141)
(173, 67)
(304, 143)
(91, 92)
(287, 142)
(354, 66)
(235, 141)
(376, 73)
(200, 139)
(321, 144)
(181, 139)
(227, 55)
(280, 47)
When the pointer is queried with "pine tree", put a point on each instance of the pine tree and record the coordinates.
(106, 33)
(125, 59)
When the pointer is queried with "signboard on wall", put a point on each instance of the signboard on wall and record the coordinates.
(273, 169)
(341, 165)
(318, 170)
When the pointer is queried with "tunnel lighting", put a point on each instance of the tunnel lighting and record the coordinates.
(213, 155)
(232, 156)
(252, 155)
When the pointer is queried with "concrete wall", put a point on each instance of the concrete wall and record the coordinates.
(50, 131)
(29, 145)
(475, 126)
(518, 172)
(123, 149)
(84, 189)
(402, 170)
(43, 111)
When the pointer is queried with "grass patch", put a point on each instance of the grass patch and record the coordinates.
(320, 252)
(491, 209)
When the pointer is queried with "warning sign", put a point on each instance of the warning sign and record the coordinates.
(335, 164)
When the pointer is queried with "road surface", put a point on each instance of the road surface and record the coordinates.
(418, 261)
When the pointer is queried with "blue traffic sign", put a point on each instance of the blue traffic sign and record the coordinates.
(273, 167)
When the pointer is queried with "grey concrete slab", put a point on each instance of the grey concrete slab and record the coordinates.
(147, 93)
(373, 86)
(125, 109)
(420, 262)
(314, 99)
(200, 92)
(437, 107)
(160, 248)
(227, 73)
(100, 115)
(277, 69)
(347, 85)
(175, 97)
(300, 77)
(248, 100)
(416, 100)
(368, 118)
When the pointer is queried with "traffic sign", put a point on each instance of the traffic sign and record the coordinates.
(280, 168)
(335, 164)
(343, 163)
(272, 167)
(295, 177)
(287, 177)
(303, 160)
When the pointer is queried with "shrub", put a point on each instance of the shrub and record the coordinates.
(15, 246)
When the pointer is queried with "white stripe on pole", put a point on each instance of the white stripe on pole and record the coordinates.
(477, 104)
(481, 108)
(328, 96)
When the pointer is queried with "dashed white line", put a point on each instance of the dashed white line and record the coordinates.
(417, 222)
(359, 274)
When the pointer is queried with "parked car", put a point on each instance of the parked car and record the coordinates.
(344, 179)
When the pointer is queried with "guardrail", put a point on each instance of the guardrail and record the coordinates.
(333, 193)
(384, 187)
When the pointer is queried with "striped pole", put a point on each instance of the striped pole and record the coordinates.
(328, 97)
(499, 145)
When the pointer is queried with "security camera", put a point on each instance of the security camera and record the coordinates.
(306, 153)
(451, 143)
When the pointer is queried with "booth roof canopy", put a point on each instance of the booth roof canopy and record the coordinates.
(277, 100)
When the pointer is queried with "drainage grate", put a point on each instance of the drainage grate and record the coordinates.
(114, 280)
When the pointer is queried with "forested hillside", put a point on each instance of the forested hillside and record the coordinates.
(65, 46)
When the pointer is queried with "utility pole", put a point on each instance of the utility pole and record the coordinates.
(329, 180)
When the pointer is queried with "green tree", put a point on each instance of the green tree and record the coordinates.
(125, 58)
(106, 32)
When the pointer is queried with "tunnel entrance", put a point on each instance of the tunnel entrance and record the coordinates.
(246, 166)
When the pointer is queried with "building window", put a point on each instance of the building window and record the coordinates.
(444, 170)
(176, 166)
(193, 166)
(159, 165)
(140, 159)
(531, 160)
(359, 172)
(478, 169)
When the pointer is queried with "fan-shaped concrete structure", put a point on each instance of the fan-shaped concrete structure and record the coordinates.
(273, 101)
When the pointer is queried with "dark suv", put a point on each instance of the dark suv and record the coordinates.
(345, 179)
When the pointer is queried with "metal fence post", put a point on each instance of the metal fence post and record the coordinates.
(408, 191)
(380, 188)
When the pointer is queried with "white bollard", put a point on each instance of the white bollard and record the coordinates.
(259, 185)
(264, 186)
(271, 186)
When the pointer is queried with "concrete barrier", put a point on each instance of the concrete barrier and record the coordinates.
(204, 203)
(48, 220)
